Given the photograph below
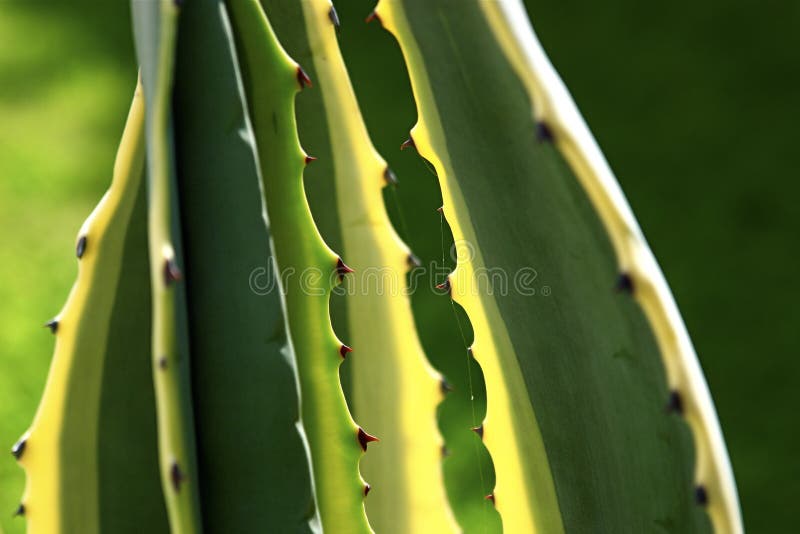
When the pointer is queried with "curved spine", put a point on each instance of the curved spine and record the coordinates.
(405, 468)
(555, 110)
(308, 267)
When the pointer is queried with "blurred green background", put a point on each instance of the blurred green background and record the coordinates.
(695, 105)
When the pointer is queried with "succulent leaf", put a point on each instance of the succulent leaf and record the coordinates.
(252, 460)
(155, 31)
(394, 390)
(90, 455)
(271, 81)
(641, 276)
(577, 375)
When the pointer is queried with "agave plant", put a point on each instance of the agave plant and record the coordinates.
(196, 380)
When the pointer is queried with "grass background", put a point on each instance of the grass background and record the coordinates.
(694, 104)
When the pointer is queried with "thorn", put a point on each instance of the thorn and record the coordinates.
(367, 487)
(675, 403)
(440, 209)
(413, 261)
(543, 132)
(700, 495)
(302, 78)
(162, 362)
(478, 430)
(624, 283)
(390, 177)
(176, 476)
(444, 451)
(19, 447)
(52, 324)
(444, 386)
(469, 351)
(171, 272)
(490, 497)
(372, 16)
(364, 439)
(344, 350)
(334, 16)
(445, 286)
(342, 269)
(20, 511)
(309, 159)
(80, 248)
(408, 143)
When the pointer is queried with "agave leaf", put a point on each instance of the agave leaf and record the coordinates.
(715, 485)
(394, 390)
(155, 29)
(251, 459)
(90, 454)
(309, 267)
(578, 376)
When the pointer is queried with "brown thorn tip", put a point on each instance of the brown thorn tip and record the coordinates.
(389, 176)
(302, 78)
(80, 248)
(413, 261)
(490, 497)
(19, 448)
(171, 272)
(372, 16)
(344, 350)
(334, 16)
(176, 476)
(675, 402)
(342, 269)
(162, 362)
(543, 132)
(20, 511)
(444, 386)
(364, 439)
(52, 325)
(440, 209)
(309, 159)
(700, 495)
(367, 487)
(445, 452)
(408, 143)
(624, 283)
(445, 286)
(478, 430)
